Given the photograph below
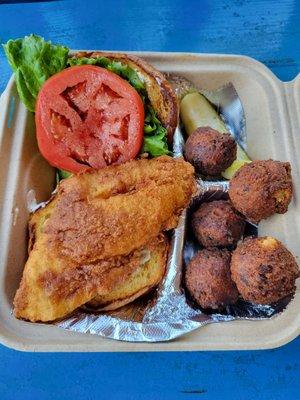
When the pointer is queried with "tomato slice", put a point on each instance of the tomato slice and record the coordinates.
(88, 117)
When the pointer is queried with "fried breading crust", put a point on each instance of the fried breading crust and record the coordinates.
(96, 224)
(118, 209)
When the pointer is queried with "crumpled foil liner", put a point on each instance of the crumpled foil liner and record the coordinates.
(167, 313)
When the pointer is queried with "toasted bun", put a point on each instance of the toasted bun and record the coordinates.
(96, 305)
(159, 90)
(141, 281)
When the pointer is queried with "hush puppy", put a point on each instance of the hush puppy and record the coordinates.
(217, 224)
(264, 270)
(208, 280)
(261, 188)
(210, 151)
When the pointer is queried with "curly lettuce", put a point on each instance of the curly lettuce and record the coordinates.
(155, 135)
(117, 67)
(33, 61)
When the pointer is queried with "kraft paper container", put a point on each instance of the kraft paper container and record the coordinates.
(273, 131)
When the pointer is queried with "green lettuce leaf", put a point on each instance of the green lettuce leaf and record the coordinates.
(117, 67)
(33, 61)
(100, 61)
(64, 174)
(156, 145)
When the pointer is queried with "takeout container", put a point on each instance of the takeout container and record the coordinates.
(272, 127)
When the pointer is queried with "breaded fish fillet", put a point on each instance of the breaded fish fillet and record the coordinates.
(89, 237)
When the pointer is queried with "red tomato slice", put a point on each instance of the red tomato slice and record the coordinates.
(88, 117)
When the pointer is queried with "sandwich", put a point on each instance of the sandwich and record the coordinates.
(92, 109)
(100, 241)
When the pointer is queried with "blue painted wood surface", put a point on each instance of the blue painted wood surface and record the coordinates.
(266, 30)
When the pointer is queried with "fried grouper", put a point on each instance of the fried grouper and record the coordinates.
(90, 236)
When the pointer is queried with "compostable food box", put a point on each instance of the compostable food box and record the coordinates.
(273, 131)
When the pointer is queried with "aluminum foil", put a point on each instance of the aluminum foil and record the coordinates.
(167, 313)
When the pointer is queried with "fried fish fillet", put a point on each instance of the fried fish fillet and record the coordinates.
(89, 237)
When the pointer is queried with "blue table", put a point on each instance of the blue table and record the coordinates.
(266, 30)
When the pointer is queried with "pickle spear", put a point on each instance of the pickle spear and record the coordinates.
(195, 112)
